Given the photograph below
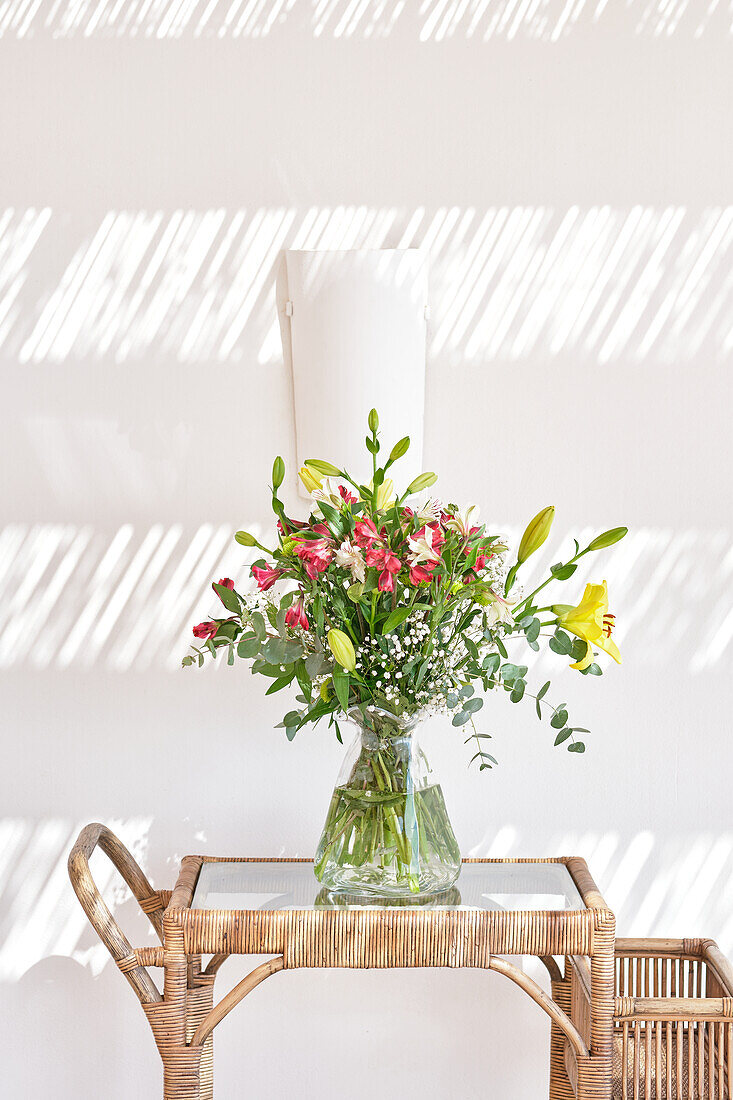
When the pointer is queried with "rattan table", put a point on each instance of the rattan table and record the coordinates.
(221, 907)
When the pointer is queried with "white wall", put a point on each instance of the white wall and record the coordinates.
(570, 172)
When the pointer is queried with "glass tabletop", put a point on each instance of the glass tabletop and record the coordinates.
(498, 886)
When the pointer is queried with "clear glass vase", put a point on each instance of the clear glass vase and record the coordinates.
(387, 831)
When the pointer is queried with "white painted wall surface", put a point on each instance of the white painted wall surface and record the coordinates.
(570, 174)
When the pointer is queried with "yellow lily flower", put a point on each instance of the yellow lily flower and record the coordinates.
(385, 494)
(310, 478)
(591, 621)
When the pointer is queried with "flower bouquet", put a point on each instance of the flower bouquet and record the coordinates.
(390, 606)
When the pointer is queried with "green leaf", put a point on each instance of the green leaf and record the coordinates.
(355, 591)
(491, 663)
(228, 597)
(396, 618)
(249, 646)
(281, 682)
(230, 655)
(290, 732)
(200, 660)
(341, 687)
(509, 672)
(562, 572)
(187, 661)
(532, 630)
(473, 705)
(466, 691)
(561, 643)
(517, 690)
(304, 680)
(577, 746)
(227, 630)
(559, 719)
(315, 664)
(258, 625)
(461, 718)
(543, 690)
(563, 736)
(292, 718)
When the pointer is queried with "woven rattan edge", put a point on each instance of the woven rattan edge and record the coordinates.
(182, 894)
(389, 937)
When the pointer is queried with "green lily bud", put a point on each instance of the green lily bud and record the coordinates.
(537, 531)
(400, 448)
(422, 481)
(325, 469)
(342, 649)
(373, 420)
(608, 538)
(278, 472)
(245, 539)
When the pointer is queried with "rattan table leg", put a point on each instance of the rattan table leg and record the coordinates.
(595, 1074)
(560, 1087)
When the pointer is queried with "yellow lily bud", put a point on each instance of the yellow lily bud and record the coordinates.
(422, 481)
(537, 531)
(373, 420)
(278, 472)
(608, 538)
(342, 649)
(310, 478)
(326, 469)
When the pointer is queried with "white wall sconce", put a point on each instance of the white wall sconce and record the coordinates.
(356, 322)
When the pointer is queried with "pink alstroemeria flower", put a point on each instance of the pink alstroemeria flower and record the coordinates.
(348, 497)
(205, 630)
(365, 533)
(266, 576)
(225, 582)
(316, 555)
(421, 573)
(296, 616)
(380, 557)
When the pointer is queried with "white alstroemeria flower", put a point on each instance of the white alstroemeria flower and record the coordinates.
(421, 548)
(327, 493)
(430, 511)
(462, 522)
(350, 557)
(498, 611)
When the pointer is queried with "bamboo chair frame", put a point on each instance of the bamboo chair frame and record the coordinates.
(183, 1017)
